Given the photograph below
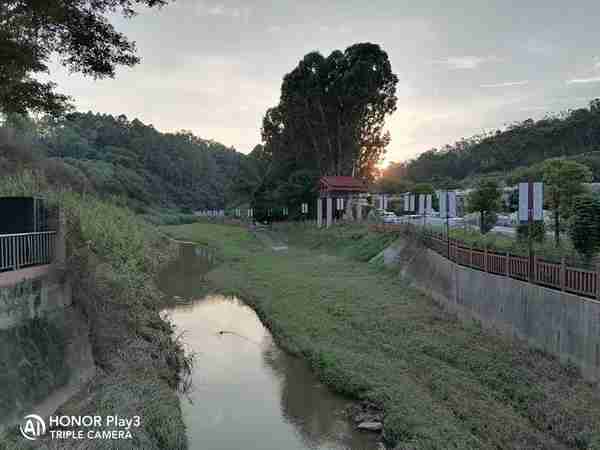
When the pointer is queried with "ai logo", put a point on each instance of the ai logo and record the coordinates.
(33, 428)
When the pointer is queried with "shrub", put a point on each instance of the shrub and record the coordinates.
(538, 232)
(584, 227)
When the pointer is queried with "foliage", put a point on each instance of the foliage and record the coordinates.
(31, 32)
(520, 148)
(485, 200)
(329, 121)
(563, 181)
(112, 156)
(584, 228)
(537, 231)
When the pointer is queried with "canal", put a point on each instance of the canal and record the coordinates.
(246, 392)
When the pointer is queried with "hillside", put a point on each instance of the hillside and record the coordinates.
(112, 156)
(574, 134)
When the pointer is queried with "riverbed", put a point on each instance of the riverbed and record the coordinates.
(246, 392)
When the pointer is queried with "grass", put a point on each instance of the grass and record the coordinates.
(442, 383)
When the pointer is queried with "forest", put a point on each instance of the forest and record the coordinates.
(508, 154)
(115, 157)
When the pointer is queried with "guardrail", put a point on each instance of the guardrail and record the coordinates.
(26, 249)
(535, 270)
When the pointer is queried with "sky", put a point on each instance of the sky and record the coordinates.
(214, 67)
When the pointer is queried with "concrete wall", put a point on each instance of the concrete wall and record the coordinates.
(560, 323)
(34, 292)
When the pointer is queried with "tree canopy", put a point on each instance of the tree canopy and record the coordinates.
(127, 158)
(332, 111)
(78, 31)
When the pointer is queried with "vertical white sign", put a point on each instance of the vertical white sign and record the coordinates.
(535, 203)
(421, 204)
(429, 204)
(447, 204)
(452, 204)
(442, 201)
(412, 203)
(406, 202)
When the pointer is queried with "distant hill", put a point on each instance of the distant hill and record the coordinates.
(575, 133)
(113, 156)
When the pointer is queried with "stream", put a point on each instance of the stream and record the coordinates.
(246, 392)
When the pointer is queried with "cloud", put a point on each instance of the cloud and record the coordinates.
(506, 84)
(464, 62)
(584, 80)
(220, 10)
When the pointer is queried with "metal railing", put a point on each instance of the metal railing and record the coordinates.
(26, 249)
(535, 270)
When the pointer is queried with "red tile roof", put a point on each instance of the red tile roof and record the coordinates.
(340, 183)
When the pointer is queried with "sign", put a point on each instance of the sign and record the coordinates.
(429, 204)
(412, 203)
(407, 202)
(421, 204)
(531, 202)
(447, 204)
(339, 203)
(304, 208)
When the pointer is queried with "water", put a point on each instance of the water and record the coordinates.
(247, 393)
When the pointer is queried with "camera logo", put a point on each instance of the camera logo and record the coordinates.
(33, 428)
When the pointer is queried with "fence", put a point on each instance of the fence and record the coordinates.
(535, 270)
(26, 249)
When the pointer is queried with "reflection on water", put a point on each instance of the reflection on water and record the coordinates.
(247, 393)
(185, 276)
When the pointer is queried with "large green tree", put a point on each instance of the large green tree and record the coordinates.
(77, 31)
(331, 115)
(563, 181)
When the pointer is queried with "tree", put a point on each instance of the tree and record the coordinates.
(485, 199)
(331, 114)
(584, 229)
(563, 181)
(78, 31)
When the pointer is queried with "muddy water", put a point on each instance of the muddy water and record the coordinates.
(247, 393)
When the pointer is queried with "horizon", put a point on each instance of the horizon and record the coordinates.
(210, 67)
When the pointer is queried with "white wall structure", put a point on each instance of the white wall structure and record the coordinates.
(329, 211)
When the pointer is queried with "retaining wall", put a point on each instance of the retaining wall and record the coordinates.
(560, 323)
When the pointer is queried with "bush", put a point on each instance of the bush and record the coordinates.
(584, 227)
(538, 232)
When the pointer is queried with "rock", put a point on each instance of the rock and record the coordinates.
(370, 426)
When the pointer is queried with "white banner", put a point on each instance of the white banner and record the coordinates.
(536, 203)
(412, 203)
(429, 204)
(406, 202)
(421, 204)
(450, 206)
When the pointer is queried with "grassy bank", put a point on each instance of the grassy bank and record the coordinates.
(442, 384)
(113, 258)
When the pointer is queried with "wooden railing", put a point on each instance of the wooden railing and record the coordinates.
(554, 275)
(26, 249)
